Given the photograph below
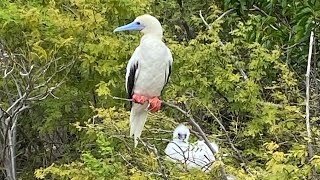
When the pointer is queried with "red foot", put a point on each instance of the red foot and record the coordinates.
(136, 98)
(154, 104)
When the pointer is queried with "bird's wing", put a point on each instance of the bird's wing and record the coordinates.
(177, 151)
(173, 152)
(203, 155)
(169, 69)
(132, 72)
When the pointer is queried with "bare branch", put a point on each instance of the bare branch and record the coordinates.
(204, 21)
(308, 86)
(227, 135)
(123, 99)
(15, 114)
(155, 151)
(309, 132)
(220, 17)
(15, 103)
(26, 73)
(224, 14)
(221, 43)
(264, 13)
(22, 84)
(45, 68)
(7, 73)
(50, 78)
(17, 86)
(243, 74)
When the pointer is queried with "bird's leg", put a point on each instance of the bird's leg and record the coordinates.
(154, 104)
(137, 98)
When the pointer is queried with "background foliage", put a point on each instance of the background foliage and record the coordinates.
(247, 69)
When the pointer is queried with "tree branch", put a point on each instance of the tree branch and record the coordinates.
(264, 13)
(155, 151)
(221, 43)
(224, 14)
(204, 21)
(227, 135)
(309, 132)
(23, 84)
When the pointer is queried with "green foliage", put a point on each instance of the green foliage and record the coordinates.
(247, 70)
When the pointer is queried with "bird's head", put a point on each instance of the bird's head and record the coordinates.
(146, 23)
(181, 133)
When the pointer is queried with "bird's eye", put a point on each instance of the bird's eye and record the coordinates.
(138, 23)
(179, 134)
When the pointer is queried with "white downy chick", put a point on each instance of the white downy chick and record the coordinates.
(178, 150)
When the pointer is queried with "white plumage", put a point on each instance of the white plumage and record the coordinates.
(178, 150)
(203, 156)
(147, 73)
(196, 155)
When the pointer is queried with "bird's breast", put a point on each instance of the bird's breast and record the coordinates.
(153, 63)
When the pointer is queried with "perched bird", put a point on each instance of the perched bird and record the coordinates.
(148, 71)
(196, 155)
(178, 150)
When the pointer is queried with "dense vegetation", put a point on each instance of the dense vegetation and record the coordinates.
(240, 71)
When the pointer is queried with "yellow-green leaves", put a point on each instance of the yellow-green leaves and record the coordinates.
(271, 146)
(246, 70)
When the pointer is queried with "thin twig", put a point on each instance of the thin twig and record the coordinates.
(220, 17)
(224, 14)
(204, 21)
(123, 99)
(264, 13)
(150, 173)
(155, 151)
(227, 135)
(221, 43)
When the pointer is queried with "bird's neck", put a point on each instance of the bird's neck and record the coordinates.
(152, 35)
(178, 141)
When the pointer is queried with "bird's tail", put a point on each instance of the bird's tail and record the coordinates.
(138, 117)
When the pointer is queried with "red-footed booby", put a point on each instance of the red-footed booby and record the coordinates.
(196, 155)
(148, 71)
(178, 150)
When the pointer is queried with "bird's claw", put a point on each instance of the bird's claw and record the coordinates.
(154, 104)
(136, 98)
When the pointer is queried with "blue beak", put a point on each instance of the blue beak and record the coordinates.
(134, 26)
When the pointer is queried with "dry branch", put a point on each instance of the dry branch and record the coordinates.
(227, 135)
(308, 88)
(242, 72)
(309, 132)
(224, 14)
(155, 152)
(24, 83)
(204, 21)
